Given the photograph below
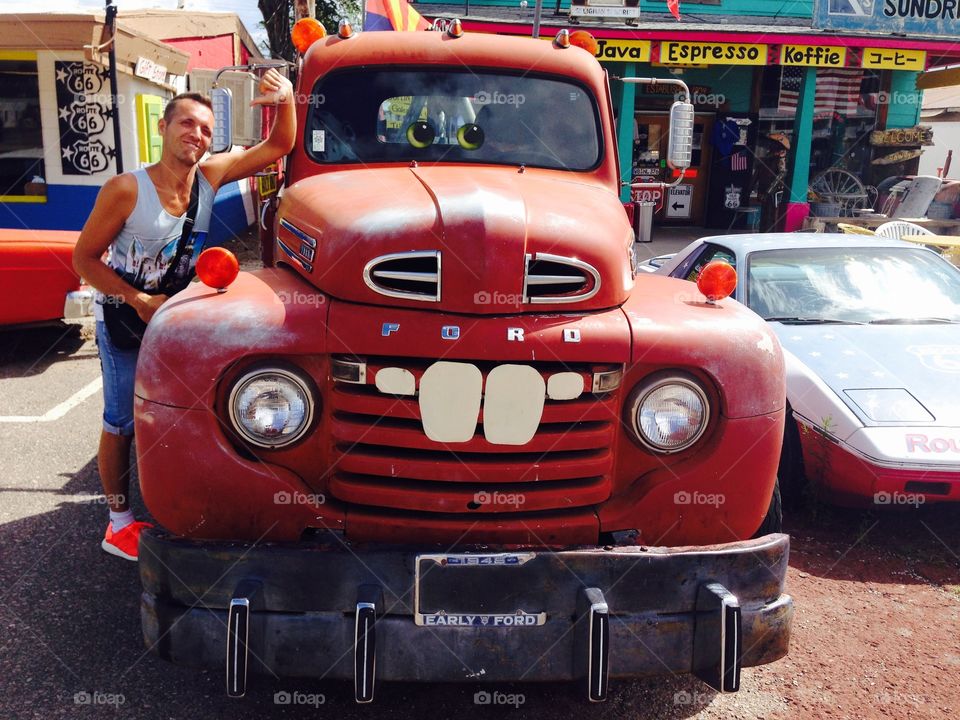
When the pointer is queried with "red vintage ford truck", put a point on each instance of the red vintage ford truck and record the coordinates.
(450, 435)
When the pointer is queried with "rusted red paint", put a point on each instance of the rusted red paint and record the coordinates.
(366, 463)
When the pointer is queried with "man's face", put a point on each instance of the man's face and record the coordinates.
(190, 131)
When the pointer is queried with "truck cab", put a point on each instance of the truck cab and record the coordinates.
(449, 434)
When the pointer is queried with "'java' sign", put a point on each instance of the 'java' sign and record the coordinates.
(916, 17)
(623, 50)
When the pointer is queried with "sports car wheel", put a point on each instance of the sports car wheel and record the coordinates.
(773, 522)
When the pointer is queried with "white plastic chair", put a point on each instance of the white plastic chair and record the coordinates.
(896, 229)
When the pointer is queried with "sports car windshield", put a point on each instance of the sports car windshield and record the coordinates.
(853, 285)
(392, 115)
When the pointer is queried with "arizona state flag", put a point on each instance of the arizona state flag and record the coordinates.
(392, 15)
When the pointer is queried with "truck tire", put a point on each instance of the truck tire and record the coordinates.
(773, 522)
(790, 471)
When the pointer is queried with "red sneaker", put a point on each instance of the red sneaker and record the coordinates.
(124, 543)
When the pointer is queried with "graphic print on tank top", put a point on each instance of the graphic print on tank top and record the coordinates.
(144, 263)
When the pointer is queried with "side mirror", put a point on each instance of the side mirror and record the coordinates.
(222, 100)
(680, 146)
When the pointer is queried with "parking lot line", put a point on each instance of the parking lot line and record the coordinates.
(60, 410)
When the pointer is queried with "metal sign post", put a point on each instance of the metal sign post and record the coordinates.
(110, 28)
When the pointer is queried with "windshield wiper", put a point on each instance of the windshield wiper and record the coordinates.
(914, 321)
(789, 320)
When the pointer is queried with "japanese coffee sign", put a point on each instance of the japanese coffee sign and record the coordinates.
(83, 112)
(916, 17)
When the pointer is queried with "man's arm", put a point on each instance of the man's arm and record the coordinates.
(115, 202)
(227, 167)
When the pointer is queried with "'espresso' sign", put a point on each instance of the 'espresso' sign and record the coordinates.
(813, 55)
(713, 53)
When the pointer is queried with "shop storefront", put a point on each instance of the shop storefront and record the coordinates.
(778, 107)
(57, 114)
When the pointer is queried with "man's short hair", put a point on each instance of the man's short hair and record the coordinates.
(194, 96)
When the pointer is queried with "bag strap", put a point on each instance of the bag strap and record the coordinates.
(188, 222)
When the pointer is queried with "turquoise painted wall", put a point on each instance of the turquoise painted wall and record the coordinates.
(758, 8)
(905, 102)
(734, 82)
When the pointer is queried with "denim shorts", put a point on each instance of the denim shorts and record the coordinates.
(119, 368)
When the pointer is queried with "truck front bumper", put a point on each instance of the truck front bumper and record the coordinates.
(327, 610)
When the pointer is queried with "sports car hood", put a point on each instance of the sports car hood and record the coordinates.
(459, 239)
(885, 374)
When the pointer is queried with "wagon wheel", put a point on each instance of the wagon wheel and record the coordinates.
(840, 186)
(836, 182)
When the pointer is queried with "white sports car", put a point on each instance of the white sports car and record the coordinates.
(871, 334)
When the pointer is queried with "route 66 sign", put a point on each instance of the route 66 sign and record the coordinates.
(82, 114)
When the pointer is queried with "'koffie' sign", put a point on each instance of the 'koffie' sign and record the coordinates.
(916, 17)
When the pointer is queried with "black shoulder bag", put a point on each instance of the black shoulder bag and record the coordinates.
(124, 325)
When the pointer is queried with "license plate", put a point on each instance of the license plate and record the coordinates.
(470, 590)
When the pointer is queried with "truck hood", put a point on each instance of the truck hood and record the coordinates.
(885, 374)
(459, 239)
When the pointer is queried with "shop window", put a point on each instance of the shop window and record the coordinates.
(21, 141)
(845, 111)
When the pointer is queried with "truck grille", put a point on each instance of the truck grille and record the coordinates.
(555, 279)
(410, 275)
(383, 458)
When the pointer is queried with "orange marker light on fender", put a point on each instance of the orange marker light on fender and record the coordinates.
(583, 39)
(217, 267)
(717, 280)
(305, 33)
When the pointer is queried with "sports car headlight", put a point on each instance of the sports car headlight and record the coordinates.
(271, 407)
(669, 413)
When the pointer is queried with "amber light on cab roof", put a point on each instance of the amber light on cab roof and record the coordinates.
(305, 33)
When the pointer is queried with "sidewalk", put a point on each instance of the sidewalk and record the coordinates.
(671, 239)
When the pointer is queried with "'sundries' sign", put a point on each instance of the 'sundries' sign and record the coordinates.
(916, 17)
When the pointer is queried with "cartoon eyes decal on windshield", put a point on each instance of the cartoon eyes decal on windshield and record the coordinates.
(421, 134)
(470, 136)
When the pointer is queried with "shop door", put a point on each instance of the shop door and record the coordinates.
(150, 142)
(686, 204)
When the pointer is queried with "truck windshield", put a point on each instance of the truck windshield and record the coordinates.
(368, 116)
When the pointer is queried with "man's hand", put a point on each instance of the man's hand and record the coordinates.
(274, 89)
(227, 167)
(146, 305)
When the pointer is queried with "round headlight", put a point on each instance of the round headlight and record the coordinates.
(271, 407)
(669, 414)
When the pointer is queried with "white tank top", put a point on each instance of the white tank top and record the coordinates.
(147, 242)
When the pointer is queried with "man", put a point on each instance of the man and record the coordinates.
(139, 217)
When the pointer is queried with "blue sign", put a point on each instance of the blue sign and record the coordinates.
(911, 17)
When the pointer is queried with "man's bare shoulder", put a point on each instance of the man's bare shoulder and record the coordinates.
(119, 193)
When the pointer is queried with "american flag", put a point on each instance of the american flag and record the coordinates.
(838, 90)
(738, 162)
(790, 79)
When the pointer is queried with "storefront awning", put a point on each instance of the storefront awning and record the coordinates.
(82, 31)
(938, 78)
